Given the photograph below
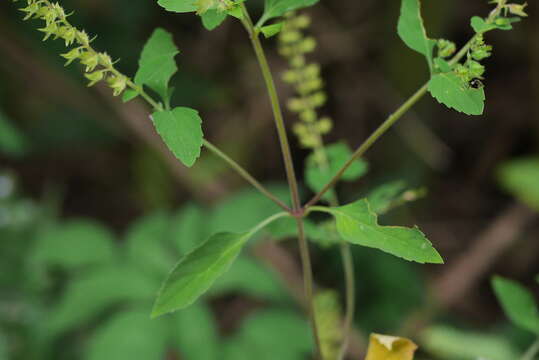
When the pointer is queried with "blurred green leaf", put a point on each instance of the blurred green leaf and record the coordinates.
(189, 228)
(329, 320)
(89, 295)
(3, 347)
(145, 244)
(180, 6)
(480, 26)
(521, 178)
(453, 344)
(181, 131)
(272, 30)
(196, 272)
(454, 93)
(250, 277)
(276, 8)
(241, 211)
(336, 156)
(412, 30)
(382, 197)
(73, 244)
(358, 224)
(290, 337)
(518, 303)
(127, 336)
(195, 332)
(12, 141)
(211, 19)
(157, 64)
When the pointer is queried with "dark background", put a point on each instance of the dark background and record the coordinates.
(101, 159)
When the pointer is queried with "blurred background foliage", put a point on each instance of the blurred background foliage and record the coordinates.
(94, 212)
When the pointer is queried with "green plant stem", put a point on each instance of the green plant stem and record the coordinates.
(276, 107)
(386, 125)
(532, 351)
(382, 129)
(290, 172)
(308, 283)
(246, 175)
(350, 289)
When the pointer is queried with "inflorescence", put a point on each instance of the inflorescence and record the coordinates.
(98, 66)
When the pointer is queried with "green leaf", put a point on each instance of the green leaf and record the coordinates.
(196, 272)
(188, 228)
(211, 19)
(480, 26)
(357, 224)
(250, 277)
(129, 95)
(384, 196)
(129, 335)
(518, 303)
(442, 65)
(181, 131)
(89, 295)
(276, 8)
(239, 212)
(271, 30)
(157, 64)
(12, 141)
(180, 6)
(289, 340)
(145, 244)
(73, 244)
(336, 155)
(450, 344)
(454, 93)
(412, 30)
(200, 341)
(521, 178)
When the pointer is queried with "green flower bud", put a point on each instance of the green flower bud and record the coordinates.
(296, 105)
(308, 116)
(302, 21)
(49, 30)
(476, 69)
(517, 9)
(308, 45)
(117, 84)
(324, 126)
(90, 59)
(95, 77)
(71, 55)
(446, 48)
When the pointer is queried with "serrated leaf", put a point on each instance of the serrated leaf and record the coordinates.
(127, 336)
(212, 18)
(521, 178)
(157, 64)
(358, 224)
(336, 155)
(276, 8)
(196, 272)
(73, 244)
(200, 342)
(180, 6)
(384, 347)
(449, 344)
(412, 30)
(181, 131)
(518, 303)
(89, 295)
(271, 30)
(480, 26)
(454, 93)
